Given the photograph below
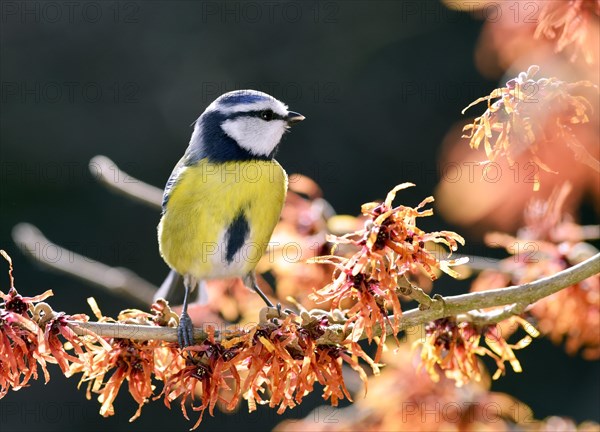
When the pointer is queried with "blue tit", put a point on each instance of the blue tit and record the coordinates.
(225, 195)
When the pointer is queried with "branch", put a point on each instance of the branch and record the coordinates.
(478, 264)
(118, 280)
(109, 174)
(441, 307)
(492, 317)
(519, 294)
(589, 232)
(405, 287)
(131, 331)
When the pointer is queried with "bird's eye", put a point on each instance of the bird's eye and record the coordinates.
(266, 115)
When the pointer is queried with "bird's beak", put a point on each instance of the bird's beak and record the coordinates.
(293, 117)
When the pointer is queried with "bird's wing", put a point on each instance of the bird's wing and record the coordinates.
(173, 178)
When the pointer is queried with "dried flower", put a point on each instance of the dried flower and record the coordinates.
(548, 244)
(207, 369)
(452, 347)
(573, 24)
(58, 335)
(529, 114)
(404, 398)
(33, 334)
(390, 246)
(20, 336)
(286, 361)
(106, 366)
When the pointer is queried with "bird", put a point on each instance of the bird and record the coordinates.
(225, 195)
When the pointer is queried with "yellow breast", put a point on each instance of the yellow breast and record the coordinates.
(219, 217)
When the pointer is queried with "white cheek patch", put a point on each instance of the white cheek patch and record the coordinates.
(255, 135)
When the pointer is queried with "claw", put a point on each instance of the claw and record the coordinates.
(185, 331)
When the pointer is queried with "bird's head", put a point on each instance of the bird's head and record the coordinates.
(242, 124)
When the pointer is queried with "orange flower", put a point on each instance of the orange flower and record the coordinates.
(404, 398)
(285, 360)
(56, 327)
(207, 370)
(277, 362)
(390, 246)
(573, 24)
(279, 358)
(529, 114)
(20, 337)
(453, 347)
(548, 244)
(32, 334)
(108, 365)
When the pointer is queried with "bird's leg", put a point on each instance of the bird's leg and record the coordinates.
(250, 279)
(185, 330)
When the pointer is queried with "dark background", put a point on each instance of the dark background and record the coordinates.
(380, 82)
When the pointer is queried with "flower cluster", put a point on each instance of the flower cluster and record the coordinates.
(389, 248)
(529, 114)
(107, 366)
(452, 347)
(22, 344)
(276, 362)
(549, 243)
(403, 398)
(279, 358)
(32, 335)
(539, 31)
(572, 24)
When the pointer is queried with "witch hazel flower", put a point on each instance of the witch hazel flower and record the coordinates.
(390, 247)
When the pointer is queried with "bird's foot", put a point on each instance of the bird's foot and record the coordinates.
(272, 314)
(185, 331)
(282, 313)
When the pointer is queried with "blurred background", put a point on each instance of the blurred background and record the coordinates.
(381, 83)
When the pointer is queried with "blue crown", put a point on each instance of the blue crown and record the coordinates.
(242, 97)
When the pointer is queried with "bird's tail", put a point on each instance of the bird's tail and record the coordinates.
(172, 290)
